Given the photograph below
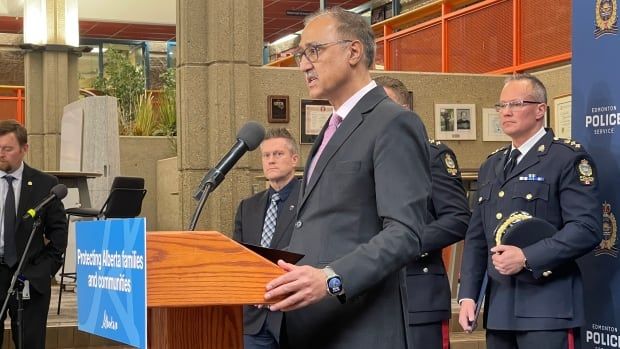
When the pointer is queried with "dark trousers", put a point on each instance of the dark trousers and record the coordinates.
(34, 314)
(555, 339)
(264, 339)
(432, 335)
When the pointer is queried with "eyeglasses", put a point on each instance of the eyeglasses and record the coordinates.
(312, 51)
(513, 105)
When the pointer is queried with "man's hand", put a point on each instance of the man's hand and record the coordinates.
(300, 287)
(508, 260)
(467, 314)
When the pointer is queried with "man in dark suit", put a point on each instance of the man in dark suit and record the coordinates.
(363, 200)
(552, 179)
(21, 188)
(255, 224)
(430, 305)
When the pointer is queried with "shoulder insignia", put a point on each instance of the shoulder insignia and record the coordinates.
(433, 142)
(497, 151)
(450, 164)
(569, 143)
(586, 173)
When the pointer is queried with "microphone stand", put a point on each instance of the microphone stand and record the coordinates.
(205, 191)
(18, 292)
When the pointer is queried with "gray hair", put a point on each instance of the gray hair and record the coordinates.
(539, 92)
(352, 26)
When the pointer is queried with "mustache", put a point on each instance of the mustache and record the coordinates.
(311, 75)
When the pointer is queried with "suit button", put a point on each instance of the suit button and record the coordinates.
(501, 194)
(547, 273)
(529, 196)
(298, 224)
(480, 199)
(425, 270)
(425, 254)
(498, 215)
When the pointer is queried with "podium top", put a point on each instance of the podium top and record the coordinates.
(204, 268)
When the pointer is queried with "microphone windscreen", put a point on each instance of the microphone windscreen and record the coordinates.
(252, 134)
(59, 190)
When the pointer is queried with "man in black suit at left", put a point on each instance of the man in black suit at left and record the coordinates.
(266, 219)
(21, 188)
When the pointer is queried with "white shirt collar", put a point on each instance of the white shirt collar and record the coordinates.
(525, 147)
(346, 107)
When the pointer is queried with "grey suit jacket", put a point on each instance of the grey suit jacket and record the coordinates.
(249, 228)
(361, 213)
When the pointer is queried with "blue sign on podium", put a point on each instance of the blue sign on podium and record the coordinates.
(111, 279)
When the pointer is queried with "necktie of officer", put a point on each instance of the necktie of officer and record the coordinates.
(512, 162)
(10, 251)
(334, 122)
(269, 226)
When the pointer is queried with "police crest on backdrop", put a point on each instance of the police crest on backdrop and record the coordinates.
(606, 18)
(610, 233)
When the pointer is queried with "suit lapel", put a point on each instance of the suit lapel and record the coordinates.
(285, 218)
(257, 220)
(25, 195)
(499, 165)
(353, 120)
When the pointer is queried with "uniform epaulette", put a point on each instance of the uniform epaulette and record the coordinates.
(433, 142)
(497, 151)
(569, 143)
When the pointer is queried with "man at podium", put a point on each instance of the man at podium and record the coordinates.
(266, 219)
(363, 200)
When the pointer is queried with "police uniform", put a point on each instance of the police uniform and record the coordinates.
(556, 181)
(427, 283)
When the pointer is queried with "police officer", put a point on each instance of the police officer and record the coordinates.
(427, 283)
(552, 179)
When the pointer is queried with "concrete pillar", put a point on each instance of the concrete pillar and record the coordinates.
(51, 82)
(217, 43)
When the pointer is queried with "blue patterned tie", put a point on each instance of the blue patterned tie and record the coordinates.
(10, 252)
(270, 221)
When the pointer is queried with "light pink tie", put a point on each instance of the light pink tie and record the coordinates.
(334, 122)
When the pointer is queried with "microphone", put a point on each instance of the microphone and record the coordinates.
(249, 137)
(58, 191)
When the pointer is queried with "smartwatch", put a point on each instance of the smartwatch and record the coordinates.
(334, 284)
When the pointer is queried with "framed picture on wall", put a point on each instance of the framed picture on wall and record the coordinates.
(377, 15)
(562, 106)
(278, 109)
(455, 121)
(313, 115)
(492, 127)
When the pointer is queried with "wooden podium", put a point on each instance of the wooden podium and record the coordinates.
(196, 285)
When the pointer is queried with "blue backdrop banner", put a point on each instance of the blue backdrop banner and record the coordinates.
(596, 124)
(111, 279)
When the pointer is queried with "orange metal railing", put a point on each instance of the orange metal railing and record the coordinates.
(472, 36)
(12, 101)
(491, 36)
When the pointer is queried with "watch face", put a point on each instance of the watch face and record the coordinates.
(335, 285)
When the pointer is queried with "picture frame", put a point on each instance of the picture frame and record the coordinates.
(492, 127)
(377, 14)
(455, 122)
(313, 115)
(562, 111)
(278, 109)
